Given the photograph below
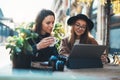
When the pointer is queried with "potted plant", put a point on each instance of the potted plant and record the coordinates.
(59, 33)
(20, 49)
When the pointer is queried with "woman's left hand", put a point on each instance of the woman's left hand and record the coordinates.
(104, 58)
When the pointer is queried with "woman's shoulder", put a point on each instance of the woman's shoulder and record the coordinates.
(65, 38)
(92, 40)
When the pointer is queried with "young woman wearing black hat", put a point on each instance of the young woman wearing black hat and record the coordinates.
(80, 27)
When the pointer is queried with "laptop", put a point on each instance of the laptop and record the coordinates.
(86, 56)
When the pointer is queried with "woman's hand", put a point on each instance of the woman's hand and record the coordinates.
(45, 42)
(104, 59)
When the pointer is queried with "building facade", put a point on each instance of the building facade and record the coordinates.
(115, 26)
(5, 29)
(104, 13)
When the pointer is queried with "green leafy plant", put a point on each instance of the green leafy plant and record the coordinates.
(59, 33)
(18, 44)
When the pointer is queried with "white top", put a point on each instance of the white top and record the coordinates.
(77, 41)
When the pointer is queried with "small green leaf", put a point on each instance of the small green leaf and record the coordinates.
(17, 50)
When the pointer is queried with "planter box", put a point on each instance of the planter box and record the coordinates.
(21, 61)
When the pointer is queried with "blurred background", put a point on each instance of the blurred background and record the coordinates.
(104, 13)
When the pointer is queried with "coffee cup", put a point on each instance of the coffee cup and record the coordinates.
(55, 41)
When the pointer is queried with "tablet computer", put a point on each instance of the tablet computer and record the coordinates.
(87, 51)
(86, 56)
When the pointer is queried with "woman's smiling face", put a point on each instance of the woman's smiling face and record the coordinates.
(79, 27)
(48, 24)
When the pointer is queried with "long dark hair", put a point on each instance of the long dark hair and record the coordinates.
(83, 38)
(39, 19)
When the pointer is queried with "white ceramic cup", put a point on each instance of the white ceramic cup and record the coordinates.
(55, 41)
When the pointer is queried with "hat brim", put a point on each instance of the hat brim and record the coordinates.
(73, 19)
(90, 24)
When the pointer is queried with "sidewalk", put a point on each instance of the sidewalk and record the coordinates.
(4, 56)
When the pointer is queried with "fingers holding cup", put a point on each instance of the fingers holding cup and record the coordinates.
(55, 41)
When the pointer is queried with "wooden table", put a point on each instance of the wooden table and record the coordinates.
(109, 72)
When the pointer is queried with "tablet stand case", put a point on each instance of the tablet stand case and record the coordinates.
(77, 63)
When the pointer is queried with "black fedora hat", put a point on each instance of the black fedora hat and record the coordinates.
(90, 24)
(73, 19)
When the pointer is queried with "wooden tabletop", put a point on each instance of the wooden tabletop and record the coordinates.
(109, 72)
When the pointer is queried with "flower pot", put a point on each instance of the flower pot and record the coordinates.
(21, 61)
